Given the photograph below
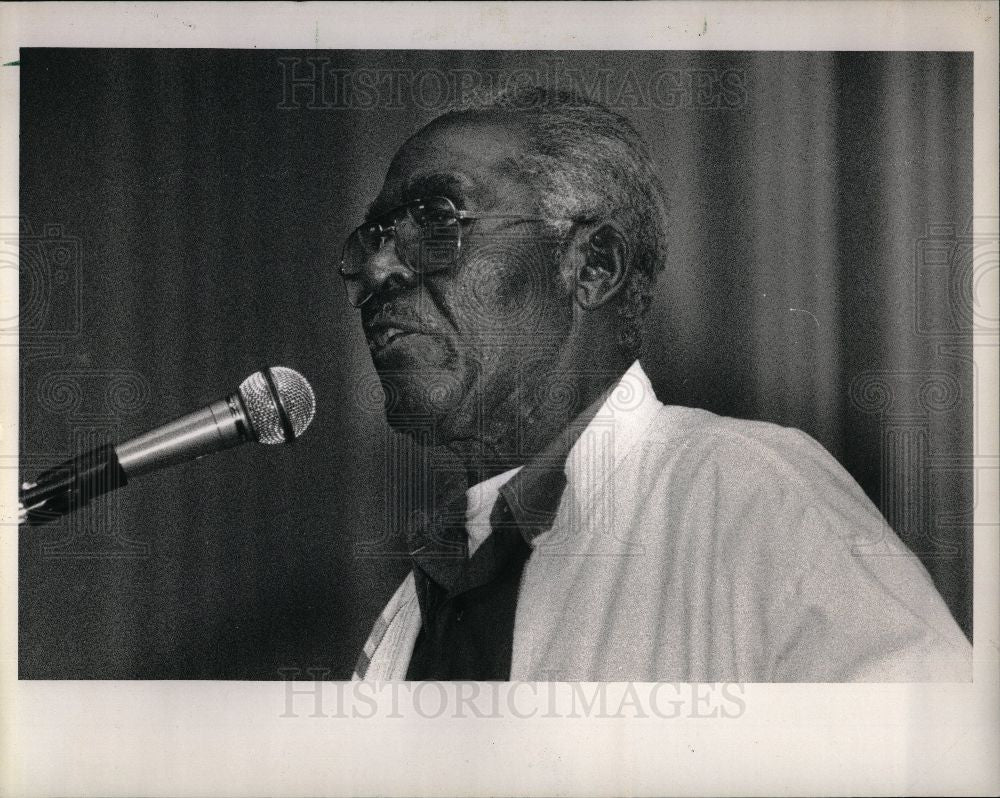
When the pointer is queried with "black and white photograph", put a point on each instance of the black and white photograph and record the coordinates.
(582, 368)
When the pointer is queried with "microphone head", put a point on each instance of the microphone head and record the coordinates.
(279, 402)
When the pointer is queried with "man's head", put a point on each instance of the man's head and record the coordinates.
(544, 273)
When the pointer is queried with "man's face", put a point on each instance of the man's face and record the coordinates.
(455, 344)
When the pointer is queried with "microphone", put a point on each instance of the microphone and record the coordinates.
(274, 405)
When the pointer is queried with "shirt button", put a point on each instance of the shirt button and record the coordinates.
(459, 615)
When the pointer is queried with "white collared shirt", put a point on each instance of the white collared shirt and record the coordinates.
(692, 547)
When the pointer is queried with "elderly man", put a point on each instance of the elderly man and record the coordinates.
(502, 276)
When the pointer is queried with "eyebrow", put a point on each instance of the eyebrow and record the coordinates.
(455, 187)
(450, 185)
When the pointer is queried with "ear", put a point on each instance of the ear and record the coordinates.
(601, 264)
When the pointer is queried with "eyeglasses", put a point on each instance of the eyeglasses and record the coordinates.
(428, 238)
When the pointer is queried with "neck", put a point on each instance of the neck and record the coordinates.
(516, 428)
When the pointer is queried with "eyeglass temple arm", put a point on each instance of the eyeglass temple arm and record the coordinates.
(472, 216)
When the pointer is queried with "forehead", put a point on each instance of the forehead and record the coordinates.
(472, 161)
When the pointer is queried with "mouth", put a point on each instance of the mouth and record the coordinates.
(381, 337)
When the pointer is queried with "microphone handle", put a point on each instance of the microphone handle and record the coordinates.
(221, 425)
(72, 484)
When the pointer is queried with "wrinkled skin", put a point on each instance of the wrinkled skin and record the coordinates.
(492, 349)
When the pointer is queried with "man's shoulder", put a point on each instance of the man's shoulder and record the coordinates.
(743, 447)
(755, 475)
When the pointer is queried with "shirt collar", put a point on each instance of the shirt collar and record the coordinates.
(597, 439)
(480, 501)
(620, 423)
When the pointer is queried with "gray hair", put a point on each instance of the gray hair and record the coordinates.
(591, 164)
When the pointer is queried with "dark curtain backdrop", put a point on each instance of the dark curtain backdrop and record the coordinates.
(178, 231)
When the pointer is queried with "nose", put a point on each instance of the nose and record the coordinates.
(385, 273)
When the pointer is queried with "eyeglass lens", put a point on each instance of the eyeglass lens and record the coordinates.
(427, 236)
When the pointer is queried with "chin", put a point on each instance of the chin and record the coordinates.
(425, 385)
(424, 401)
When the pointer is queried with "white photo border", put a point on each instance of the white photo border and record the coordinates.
(240, 738)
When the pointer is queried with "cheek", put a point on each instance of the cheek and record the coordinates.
(511, 290)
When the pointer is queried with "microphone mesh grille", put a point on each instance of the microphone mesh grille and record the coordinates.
(296, 395)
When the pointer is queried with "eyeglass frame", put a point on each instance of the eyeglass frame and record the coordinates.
(397, 213)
